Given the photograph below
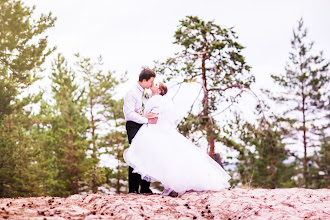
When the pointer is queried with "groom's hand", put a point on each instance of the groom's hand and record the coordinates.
(152, 120)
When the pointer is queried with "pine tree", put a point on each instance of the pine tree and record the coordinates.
(211, 58)
(69, 127)
(100, 88)
(304, 94)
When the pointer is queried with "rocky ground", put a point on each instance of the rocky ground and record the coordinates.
(226, 204)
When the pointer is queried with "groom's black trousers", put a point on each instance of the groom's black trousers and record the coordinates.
(134, 179)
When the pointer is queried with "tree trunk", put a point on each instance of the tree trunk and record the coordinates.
(217, 158)
(9, 126)
(206, 117)
(118, 171)
(211, 143)
(305, 141)
(70, 148)
(205, 114)
(94, 185)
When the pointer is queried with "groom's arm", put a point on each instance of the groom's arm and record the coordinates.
(129, 110)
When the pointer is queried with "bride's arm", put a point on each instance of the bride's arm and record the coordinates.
(152, 105)
(149, 115)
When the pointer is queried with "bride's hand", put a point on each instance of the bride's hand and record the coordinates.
(150, 115)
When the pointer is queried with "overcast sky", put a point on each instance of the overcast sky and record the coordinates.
(131, 34)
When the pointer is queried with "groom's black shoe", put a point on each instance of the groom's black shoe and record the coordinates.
(147, 191)
(135, 192)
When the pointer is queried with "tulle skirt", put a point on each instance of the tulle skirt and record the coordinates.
(160, 153)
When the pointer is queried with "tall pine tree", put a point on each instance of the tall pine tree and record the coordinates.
(69, 128)
(100, 89)
(305, 87)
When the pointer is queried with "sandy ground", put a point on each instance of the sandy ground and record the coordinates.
(226, 204)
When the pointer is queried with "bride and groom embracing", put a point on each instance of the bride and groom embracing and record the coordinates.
(157, 151)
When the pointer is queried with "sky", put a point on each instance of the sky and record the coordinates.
(131, 34)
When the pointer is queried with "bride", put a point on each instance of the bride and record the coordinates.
(159, 153)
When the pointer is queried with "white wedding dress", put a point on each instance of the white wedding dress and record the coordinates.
(160, 153)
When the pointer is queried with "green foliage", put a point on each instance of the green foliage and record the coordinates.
(208, 51)
(23, 47)
(261, 155)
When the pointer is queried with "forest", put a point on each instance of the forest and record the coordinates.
(51, 140)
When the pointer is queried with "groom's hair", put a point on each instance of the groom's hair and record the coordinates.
(146, 74)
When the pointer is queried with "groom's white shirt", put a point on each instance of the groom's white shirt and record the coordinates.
(133, 104)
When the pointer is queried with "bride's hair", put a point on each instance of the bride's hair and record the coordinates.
(163, 88)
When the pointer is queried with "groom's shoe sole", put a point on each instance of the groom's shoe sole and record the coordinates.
(149, 194)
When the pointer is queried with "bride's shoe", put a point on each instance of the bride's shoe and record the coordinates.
(166, 191)
(169, 192)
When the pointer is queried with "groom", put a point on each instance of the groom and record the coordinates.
(134, 102)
